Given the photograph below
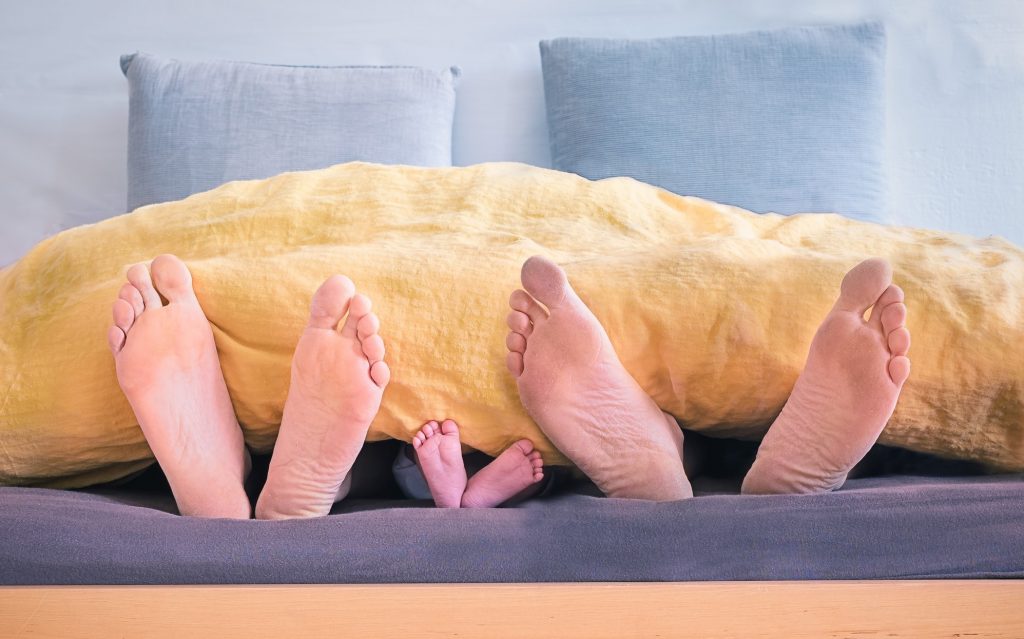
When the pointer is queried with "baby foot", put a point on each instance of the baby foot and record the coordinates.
(439, 453)
(573, 385)
(338, 377)
(168, 368)
(846, 393)
(515, 469)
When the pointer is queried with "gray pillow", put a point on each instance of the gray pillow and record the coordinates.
(195, 125)
(785, 121)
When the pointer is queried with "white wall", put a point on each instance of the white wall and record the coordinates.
(955, 85)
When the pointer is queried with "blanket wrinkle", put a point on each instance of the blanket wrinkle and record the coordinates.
(711, 308)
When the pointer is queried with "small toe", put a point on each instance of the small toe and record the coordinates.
(131, 295)
(124, 315)
(899, 369)
(115, 337)
(368, 325)
(521, 301)
(899, 341)
(331, 302)
(380, 374)
(357, 310)
(515, 343)
(373, 348)
(519, 323)
(892, 295)
(514, 362)
(138, 275)
(172, 278)
(893, 316)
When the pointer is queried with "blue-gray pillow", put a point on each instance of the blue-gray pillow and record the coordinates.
(786, 121)
(195, 125)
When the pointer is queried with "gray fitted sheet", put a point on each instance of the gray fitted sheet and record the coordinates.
(878, 528)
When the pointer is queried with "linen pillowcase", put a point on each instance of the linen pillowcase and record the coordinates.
(786, 121)
(195, 125)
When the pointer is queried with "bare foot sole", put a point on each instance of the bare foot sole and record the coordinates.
(515, 469)
(573, 385)
(846, 393)
(168, 368)
(338, 377)
(439, 453)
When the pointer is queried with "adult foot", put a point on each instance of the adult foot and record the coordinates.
(513, 471)
(846, 393)
(168, 368)
(338, 377)
(439, 454)
(576, 389)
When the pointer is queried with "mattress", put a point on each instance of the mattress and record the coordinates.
(891, 527)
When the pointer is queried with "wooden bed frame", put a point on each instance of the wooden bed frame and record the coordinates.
(793, 609)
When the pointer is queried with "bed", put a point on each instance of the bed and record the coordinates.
(904, 553)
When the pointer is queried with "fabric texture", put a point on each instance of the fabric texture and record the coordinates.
(788, 121)
(711, 308)
(883, 528)
(195, 125)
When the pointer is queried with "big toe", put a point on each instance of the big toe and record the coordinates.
(172, 278)
(864, 285)
(330, 302)
(545, 281)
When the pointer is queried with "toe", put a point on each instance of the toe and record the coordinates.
(516, 343)
(368, 325)
(380, 374)
(863, 285)
(519, 323)
(899, 369)
(373, 348)
(525, 446)
(131, 295)
(449, 427)
(891, 295)
(331, 302)
(514, 362)
(893, 316)
(138, 275)
(124, 315)
(521, 301)
(545, 281)
(899, 341)
(115, 337)
(172, 278)
(357, 310)
(428, 429)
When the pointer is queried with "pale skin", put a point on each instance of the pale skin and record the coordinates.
(439, 455)
(569, 379)
(168, 368)
(573, 385)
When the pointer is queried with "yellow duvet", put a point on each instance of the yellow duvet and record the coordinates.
(710, 307)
